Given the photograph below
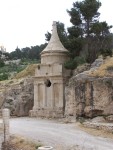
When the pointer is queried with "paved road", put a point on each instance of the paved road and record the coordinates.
(54, 133)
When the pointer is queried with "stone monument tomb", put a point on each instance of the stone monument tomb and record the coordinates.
(49, 80)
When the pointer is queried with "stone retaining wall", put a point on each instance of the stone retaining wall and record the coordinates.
(101, 126)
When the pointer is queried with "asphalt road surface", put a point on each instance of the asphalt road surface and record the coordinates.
(57, 134)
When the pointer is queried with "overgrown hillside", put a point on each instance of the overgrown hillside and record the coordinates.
(17, 69)
(28, 71)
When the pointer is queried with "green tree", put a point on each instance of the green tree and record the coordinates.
(16, 54)
(48, 36)
(83, 14)
(101, 38)
(1, 63)
(86, 29)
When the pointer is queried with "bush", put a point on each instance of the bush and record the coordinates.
(1, 63)
(106, 52)
(3, 76)
(73, 63)
(80, 60)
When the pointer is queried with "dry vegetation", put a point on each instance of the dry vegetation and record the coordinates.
(96, 132)
(105, 69)
(29, 71)
(20, 143)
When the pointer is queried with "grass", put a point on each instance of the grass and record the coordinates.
(28, 71)
(21, 143)
(95, 132)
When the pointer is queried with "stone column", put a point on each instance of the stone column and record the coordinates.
(35, 96)
(52, 95)
(6, 116)
(45, 96)
(61, 87)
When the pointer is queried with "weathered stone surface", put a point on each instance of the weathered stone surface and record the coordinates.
(49, 80)
(81, 69)
(97, 63)
(109, 118)
(98, 119)
(4, 127)
(92, 98)
(18, 97)
(89, 96)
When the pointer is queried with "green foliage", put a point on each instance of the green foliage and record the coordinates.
(3, 76)
(100, 29)
(95, 36)
(106, 52)
(25, 61)
(80, 60)
(48, 36)
(6, 70)
(71, 64)
(74, 45)
(1, 63)
(32, 52)
(84, 13)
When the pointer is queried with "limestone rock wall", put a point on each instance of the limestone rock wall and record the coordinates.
(89, 96)
(17, 96)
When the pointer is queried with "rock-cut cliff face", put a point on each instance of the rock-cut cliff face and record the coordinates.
(89, 95)
(17, 95)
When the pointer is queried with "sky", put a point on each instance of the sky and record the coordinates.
(23, 23)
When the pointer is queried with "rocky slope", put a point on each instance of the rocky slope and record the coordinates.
(17, 95)
(90, 93)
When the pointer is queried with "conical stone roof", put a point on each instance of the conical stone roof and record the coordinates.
(54, 44)
(55, 51)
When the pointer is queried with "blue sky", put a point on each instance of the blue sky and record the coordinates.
(24, 22)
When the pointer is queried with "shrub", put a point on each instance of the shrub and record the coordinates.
(1, 63)
(73, 63)
(3, 76)
(80, 60)
(106, 52)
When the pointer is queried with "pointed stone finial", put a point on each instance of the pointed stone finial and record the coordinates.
(54, 44)
(55, 51)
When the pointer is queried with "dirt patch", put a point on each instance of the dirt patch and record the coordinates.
(95, 132)
(20, 143)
